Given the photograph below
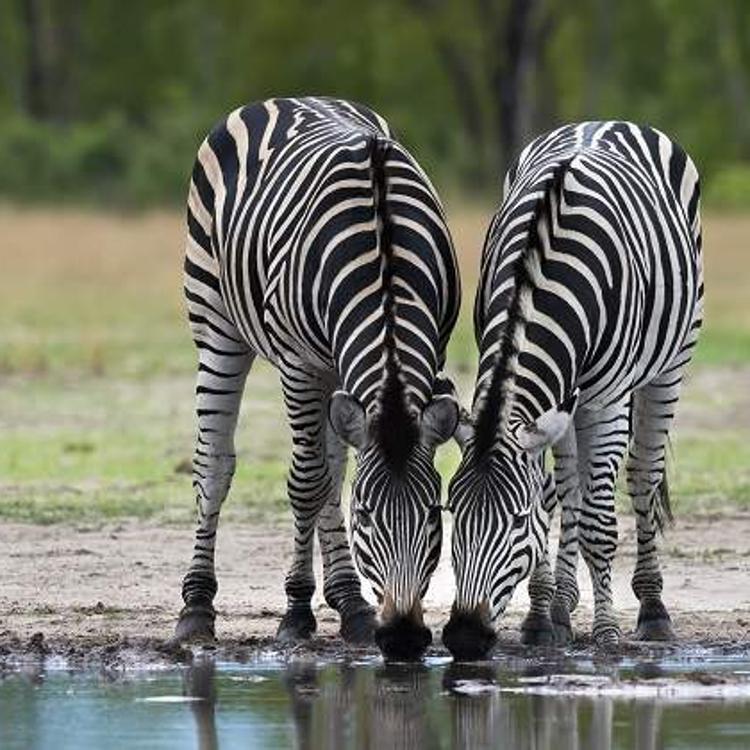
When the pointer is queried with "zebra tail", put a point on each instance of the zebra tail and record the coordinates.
(496, 402)
(396, 432)
(378, 157)
(663, 514)
(662, 505)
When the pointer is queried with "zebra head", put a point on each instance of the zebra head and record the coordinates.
(396, 520)
(499, 497)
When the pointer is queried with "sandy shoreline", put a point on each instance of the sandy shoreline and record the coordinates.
(80, 590)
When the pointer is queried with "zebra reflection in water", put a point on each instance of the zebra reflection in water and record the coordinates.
(199, 681)
(361, 708)
(399, 706)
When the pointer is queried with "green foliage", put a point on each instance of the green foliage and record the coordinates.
(730, 188)
(105, 161)
(47, 162)
(126, 91)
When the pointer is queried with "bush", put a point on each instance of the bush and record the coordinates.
(107, 161)
(47, 162)
(729, 188)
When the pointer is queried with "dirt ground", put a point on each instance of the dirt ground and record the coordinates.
(87, 588)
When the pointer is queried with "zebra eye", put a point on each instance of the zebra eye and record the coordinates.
(519, 521)
(434, 514)
(363, 518)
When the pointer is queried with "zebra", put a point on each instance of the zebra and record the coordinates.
(589, 306)
(316, 241)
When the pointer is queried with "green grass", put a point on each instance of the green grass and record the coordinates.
(96, 449)
(705, 474)
(711, 470)
(87, 449)
(721, 346)
(97, 367)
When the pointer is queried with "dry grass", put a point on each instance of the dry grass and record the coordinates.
(93, 328)
(727, 266)
(97, 292)
(90, 292)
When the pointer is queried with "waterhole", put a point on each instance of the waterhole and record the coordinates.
(693, 699)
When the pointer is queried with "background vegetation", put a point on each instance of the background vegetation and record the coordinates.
(106, 101)
(103, 103)
(97, 374)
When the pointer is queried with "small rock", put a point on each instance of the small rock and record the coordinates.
(184, 467)
(37, 645)
(81, 447)
(705, 678)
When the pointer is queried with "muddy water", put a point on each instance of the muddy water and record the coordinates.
(699, 699)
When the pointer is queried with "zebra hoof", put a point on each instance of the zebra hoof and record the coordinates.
(358, 627)
(537, 630)
(561, 627)
(195, 625)
(607, 639)
(296, 625)
(654, 622)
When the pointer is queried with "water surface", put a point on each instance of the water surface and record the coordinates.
(697, 699)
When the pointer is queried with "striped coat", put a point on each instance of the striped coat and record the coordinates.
(316, 241)
(588, 308)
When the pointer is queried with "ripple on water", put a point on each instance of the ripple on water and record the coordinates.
(694, 699)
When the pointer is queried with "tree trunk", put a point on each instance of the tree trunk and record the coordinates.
(510, 73)
(465, 83)
(35, 80)
(66, 33)
(735, 77)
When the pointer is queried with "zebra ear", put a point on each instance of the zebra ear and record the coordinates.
(439, 421)
(348, 419)
(537, 436)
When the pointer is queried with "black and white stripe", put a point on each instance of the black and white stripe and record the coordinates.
(316, 241)
(588, 309)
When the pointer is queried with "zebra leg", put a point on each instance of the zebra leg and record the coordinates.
(341, 585)
(311, 485)
(537, 629)
(603, 439)
(568, 490)
(653, 411)
(222, 370)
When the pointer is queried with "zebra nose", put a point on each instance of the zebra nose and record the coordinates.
(468, 636)
(403, 639)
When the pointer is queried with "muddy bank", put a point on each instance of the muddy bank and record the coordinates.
(120, 654)
(104, 593)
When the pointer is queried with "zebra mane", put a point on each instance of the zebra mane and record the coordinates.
(496, 402)
(396, 432)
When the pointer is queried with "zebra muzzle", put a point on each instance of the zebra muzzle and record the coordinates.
(402, 639)
(468, 635)
(402, 635)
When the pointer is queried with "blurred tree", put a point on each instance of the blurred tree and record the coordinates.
(491, 52)
(132, 87)
(36, 85)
